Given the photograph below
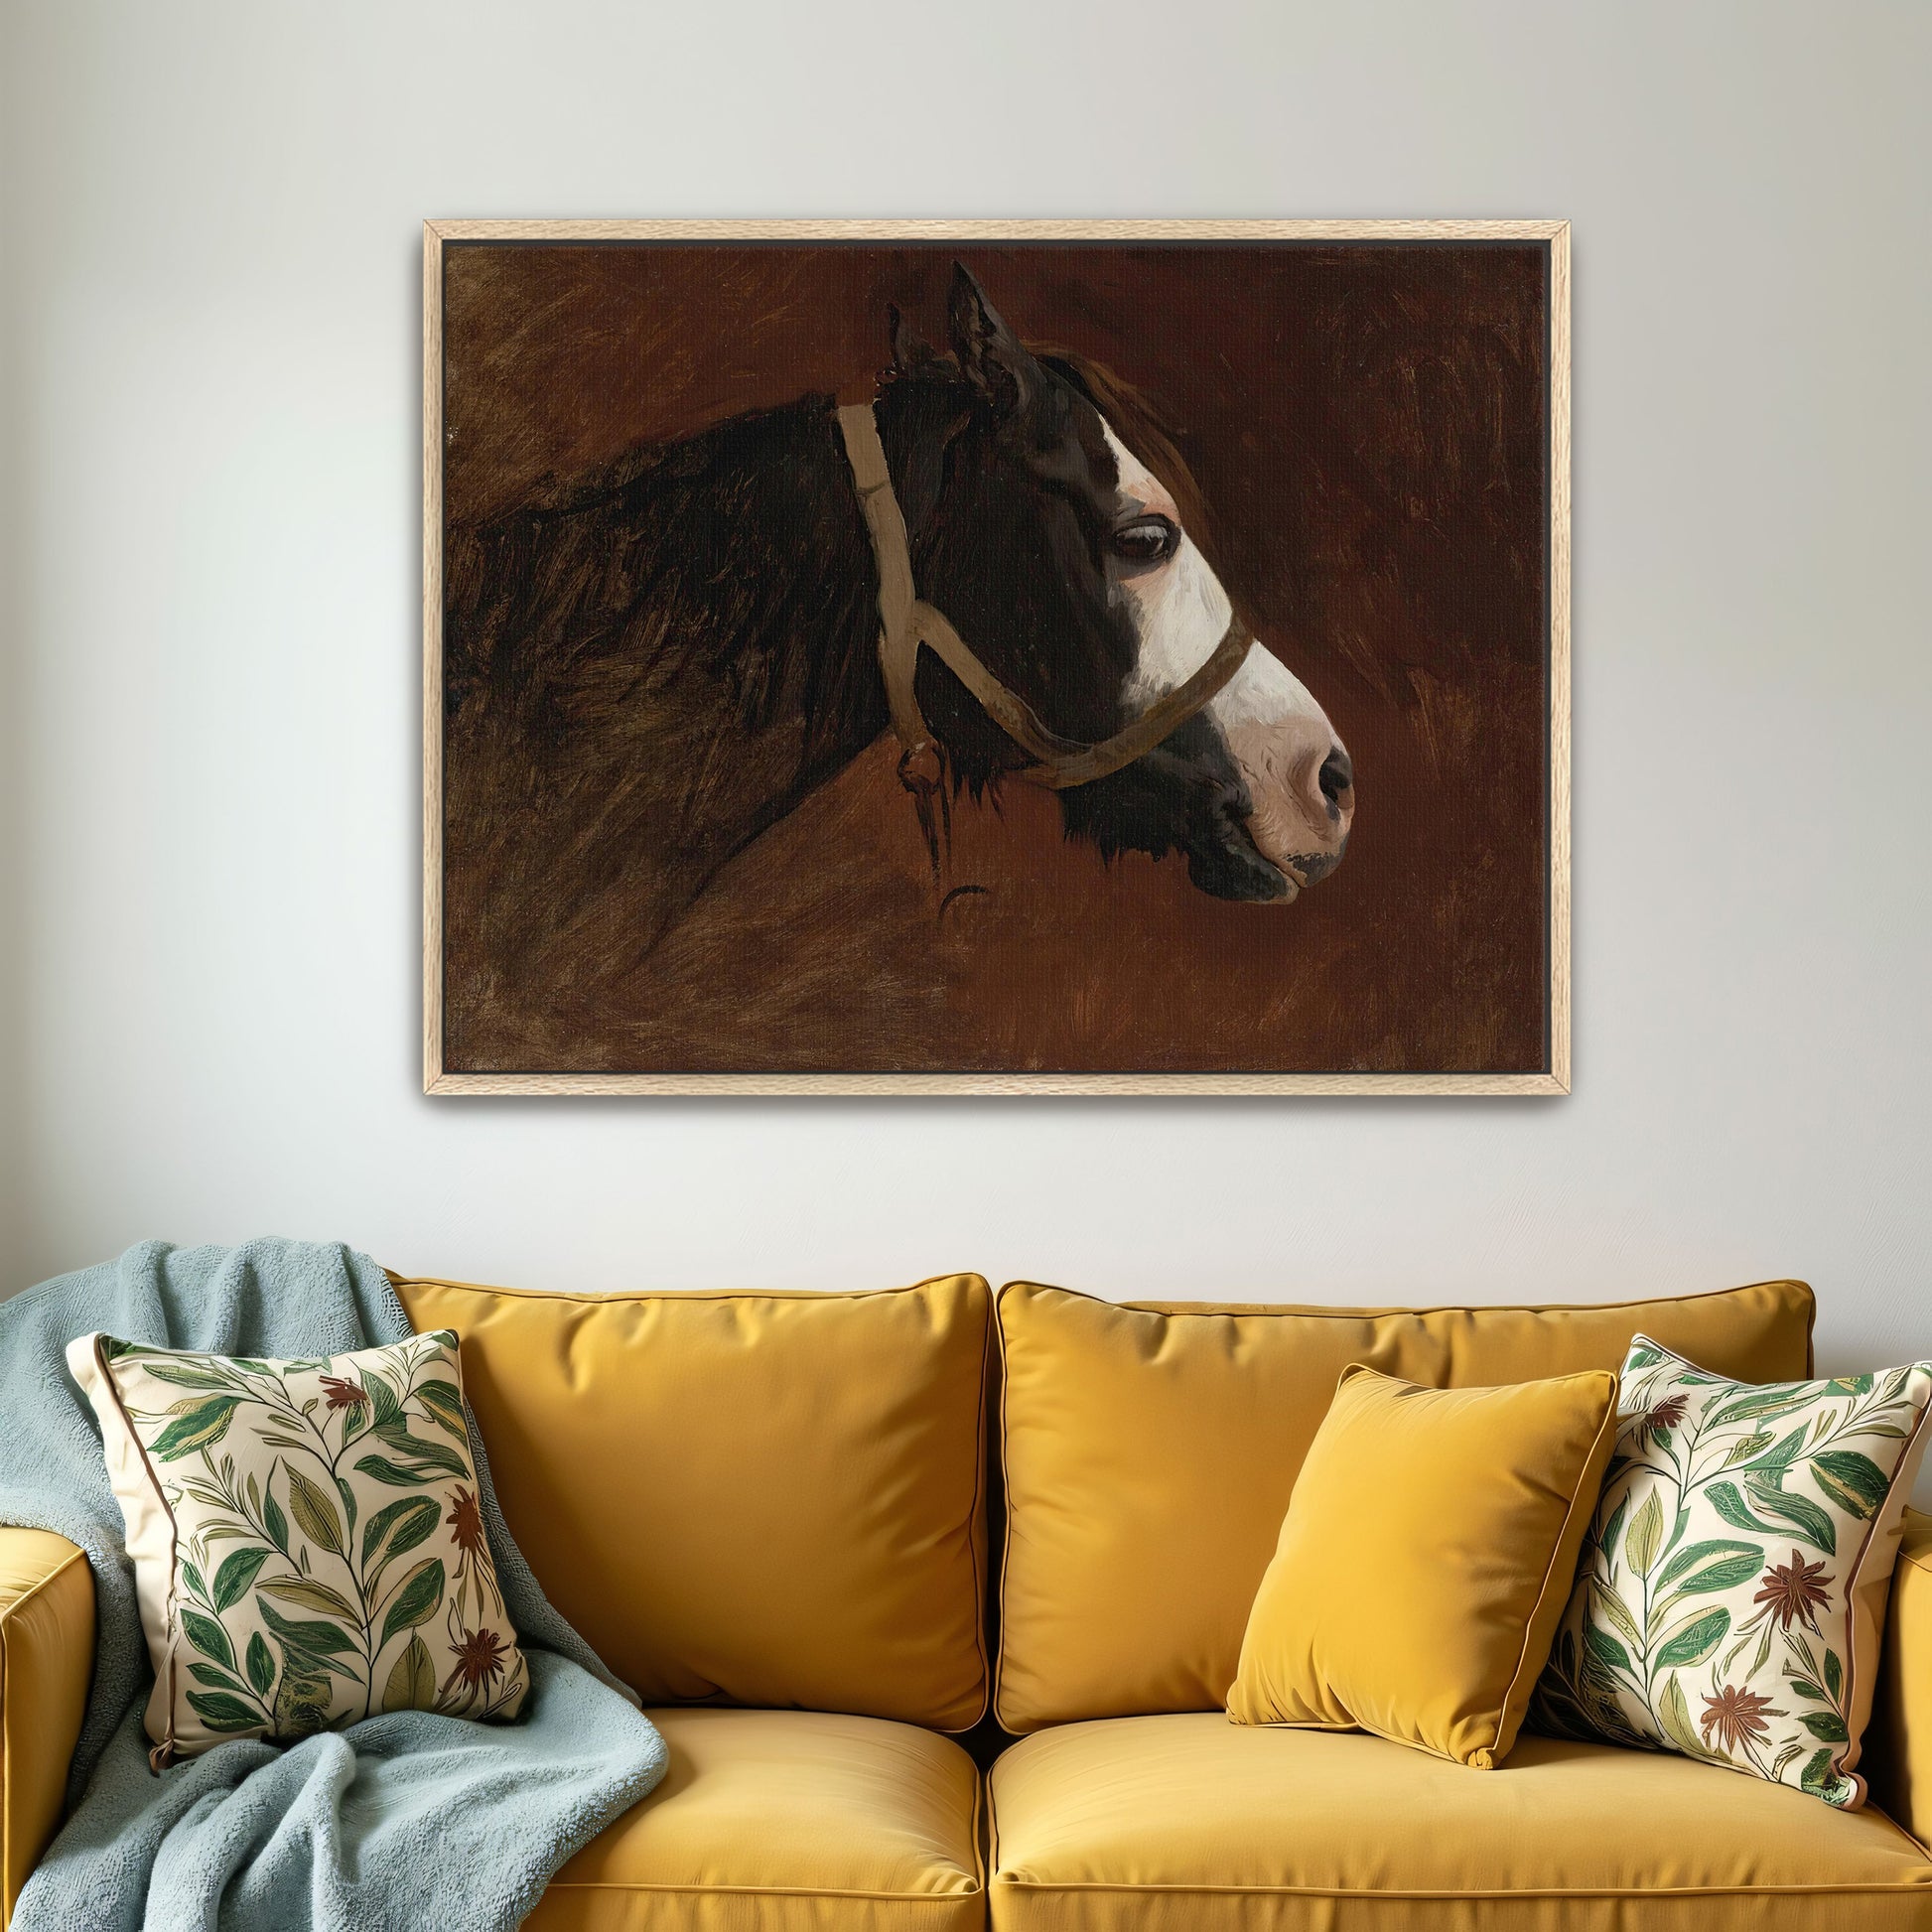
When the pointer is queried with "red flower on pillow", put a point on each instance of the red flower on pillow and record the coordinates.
(464, 1521)
(1736, 1716)
(1665, 1417)
(478, 1660)
(1793, 1591)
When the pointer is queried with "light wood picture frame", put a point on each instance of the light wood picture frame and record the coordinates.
(562, 358)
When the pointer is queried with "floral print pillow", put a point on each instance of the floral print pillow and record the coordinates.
(306, 1539)
(1731, 1598)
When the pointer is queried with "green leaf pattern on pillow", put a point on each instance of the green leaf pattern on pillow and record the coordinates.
(1709, 1614)
(329, 1554)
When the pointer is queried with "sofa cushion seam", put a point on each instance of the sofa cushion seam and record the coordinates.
(996, 1688)
(621, 1294)
(1908, 1888)
(6, 1731)
(40, 1584)
(981, 1828)
(7, 1615)
(1213, 1308)
(974, 1890)
(975, 1537)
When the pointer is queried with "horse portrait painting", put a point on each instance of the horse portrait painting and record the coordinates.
(992, 661)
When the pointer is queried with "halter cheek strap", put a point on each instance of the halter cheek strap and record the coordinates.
(907, 625)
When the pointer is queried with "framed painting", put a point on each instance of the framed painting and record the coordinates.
(995, 657)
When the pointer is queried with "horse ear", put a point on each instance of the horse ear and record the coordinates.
(904, 349)
(990, 354)
(909, 353)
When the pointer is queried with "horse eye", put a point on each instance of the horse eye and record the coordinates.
(1147, 540)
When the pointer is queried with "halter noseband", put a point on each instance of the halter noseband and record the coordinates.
(905, 625)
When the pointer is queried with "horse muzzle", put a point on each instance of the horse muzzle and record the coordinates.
(1301, 790)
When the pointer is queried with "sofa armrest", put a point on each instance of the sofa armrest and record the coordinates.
(47, 1656)
(1899, 1758)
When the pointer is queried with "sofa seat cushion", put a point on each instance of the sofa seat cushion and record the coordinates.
(1188, 1823)
(774, 1820)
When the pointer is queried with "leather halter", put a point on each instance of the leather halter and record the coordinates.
(905, 625)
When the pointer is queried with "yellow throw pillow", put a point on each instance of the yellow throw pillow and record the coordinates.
(1425, 1561)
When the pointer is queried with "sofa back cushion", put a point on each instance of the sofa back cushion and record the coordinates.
(761, 1499)
(1149, 1450)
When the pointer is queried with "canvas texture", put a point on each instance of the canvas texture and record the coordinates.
(1730, 1598)
(307, 1537)
(1425, 1558)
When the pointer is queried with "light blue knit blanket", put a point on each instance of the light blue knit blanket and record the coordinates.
(404, 1823)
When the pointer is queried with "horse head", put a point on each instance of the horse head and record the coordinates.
(1046, 521)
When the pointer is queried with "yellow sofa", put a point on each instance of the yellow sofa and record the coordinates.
(935, 1599)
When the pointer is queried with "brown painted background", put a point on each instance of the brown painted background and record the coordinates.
(1366, 425)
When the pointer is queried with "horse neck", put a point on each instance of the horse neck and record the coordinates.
(652, 671)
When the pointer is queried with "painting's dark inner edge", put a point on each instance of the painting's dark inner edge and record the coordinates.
(1166, 243)
(1123, 1073)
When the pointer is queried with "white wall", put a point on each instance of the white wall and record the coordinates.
(209, 752)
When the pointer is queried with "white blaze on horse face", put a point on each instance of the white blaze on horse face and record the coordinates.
(1179, 610)
(1277, 733)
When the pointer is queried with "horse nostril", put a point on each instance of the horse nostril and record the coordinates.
(1337, 775)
